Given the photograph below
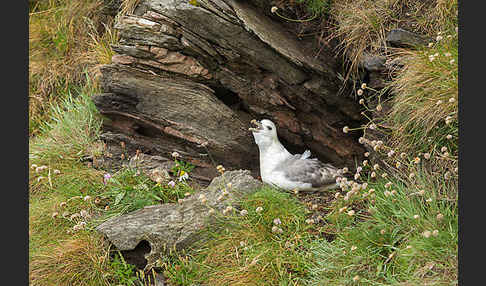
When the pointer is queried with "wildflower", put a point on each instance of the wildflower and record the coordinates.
(361, 140)
(345, 129)
(180, 201)
(408, 247)
(394, 192)
(376, 166)
(387, 193)
(277, 221)
(229, 185)
(296, 191)
(359, 169)
(446, 154)
(356, 278)
(243, 212)
(435, 232)
(360, 92)
(40, 178)
(416, 160)
(439, 38)
(403, 155)
(183, 176)
(439, 216)
(354, 247)
(416, 216)
(449, 136)
(373, 174)
(186, 194)
(351, 212)
(87, 198)
(336, 195)
(367, 154)
(364, 186)
(55, 214)
(33, 166)
(439, 102)
(398, 164)
(365, 163)
(73, 216)
(384, 175)
(382, 231)
(426, 233)
(421, 192)
(175, 155)
(345, 169)
(62, 204)
(309, 221)
(106, 177)
(314, 206)
(447, 175)
(56, 171)
(361, 101)
(84, 213)
(107, 207)
(38, 169)
(430, 45)
(443, 149)
(447, 54)
(411, 175)
(429, 200)
(211, 211)
(451, 61)
(363, 85)
(391, 153)
(379, 107)
(259, 209)
(97, 201)
(427, 156)
(171, 184)
(388, 185)
(274, 9)
(356, 176)
(373, 126)
(342, 209)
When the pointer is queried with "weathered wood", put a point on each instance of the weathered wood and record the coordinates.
(187, 76)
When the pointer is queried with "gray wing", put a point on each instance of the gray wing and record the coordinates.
(310, 171)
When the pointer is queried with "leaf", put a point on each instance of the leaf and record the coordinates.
(119, 197)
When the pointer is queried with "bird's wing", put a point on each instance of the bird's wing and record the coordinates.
(310, 171)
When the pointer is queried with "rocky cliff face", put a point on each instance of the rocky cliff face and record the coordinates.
(190, 78)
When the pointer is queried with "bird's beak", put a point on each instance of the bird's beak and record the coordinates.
(258, 125)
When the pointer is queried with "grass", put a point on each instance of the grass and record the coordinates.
(396, 223)
(65, 39)
(68, 199)
(361, 25)
(244, 250)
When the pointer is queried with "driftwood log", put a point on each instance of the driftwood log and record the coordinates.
(189, 78)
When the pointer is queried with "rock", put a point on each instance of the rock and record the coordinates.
(404, 38)
(190, 78)
(176, 226)
(373, 62)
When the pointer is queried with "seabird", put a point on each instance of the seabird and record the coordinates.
(280, 168)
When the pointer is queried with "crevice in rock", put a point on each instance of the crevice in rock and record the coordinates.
(136, 256)
(228, 97)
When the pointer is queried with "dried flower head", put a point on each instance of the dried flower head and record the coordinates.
(345, 129)
(274, 9)
(361, 101)
(363, 85)
(379, 107)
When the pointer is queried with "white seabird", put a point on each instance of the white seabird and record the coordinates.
(280, 168)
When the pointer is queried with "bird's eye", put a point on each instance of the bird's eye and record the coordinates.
(269, 127)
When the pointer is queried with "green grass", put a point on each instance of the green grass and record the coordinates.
(243, 250)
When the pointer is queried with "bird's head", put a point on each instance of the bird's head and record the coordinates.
(264, 132)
